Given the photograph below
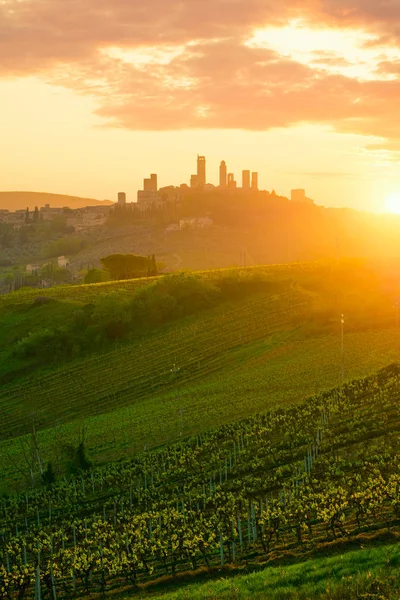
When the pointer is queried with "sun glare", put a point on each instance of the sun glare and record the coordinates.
(392, 203)
(320, 47)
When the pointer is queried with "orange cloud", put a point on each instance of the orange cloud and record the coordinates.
(214, 80)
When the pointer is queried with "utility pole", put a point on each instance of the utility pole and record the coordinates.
(396, 306)
(342, 344)
(175, 370)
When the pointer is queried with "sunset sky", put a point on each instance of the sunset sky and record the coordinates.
(97, 94)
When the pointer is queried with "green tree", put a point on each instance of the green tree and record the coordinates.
(96, 276)
(81, 461)
(48, 476)
(126, 266)
(61, 275)
(7, 239)
(22, 235)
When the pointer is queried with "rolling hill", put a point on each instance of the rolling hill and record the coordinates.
(269, 347)
(20, 200)
(216, 440)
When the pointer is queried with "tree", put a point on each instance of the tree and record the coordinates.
(7, 239)
(153, 265)
(48, 476)
(22, 235)
(96, 276)
(80, 461)
(61, 275)
(127, 266)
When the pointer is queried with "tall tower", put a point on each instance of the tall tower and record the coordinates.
(222, 174)
(153, 179)
(231, 181)
(201, 169)
(246, 180)
(121, 198)
(254, 181)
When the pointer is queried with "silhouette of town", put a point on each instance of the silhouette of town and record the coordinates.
(152, 196)
(168, 203)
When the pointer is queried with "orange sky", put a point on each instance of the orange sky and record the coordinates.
(96, 94)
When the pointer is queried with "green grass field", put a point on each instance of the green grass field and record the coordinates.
(370, 572)
(215, 366)
(91, 292)
(265, 349)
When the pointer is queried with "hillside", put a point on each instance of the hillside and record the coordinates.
(344, 575)
(270, 338)
(158, 434)
(318, 478)
(20, 200)
(275, 234)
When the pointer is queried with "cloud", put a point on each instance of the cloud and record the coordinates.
(389, 67)
(331, 61)
(37, 33)
(387, 146)
(221, 84)
(208, 78)
(382, 17)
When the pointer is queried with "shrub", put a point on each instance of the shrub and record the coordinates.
(44, 344)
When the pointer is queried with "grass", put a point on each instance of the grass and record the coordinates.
(91, 292)
(82, 293)
(232, 384)
(368, 573)
(23, 318)
(241, 357)
(211, 368)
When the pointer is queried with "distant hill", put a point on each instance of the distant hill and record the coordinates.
(20, 200)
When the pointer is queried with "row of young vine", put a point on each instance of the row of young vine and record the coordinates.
(327, 467)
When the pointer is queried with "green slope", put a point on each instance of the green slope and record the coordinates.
(367, 573)
(218, 365)
(255, 499)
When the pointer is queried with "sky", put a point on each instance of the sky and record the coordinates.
(97, 94)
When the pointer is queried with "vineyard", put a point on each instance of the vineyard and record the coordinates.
(219, 367)
(291, 478)
(139, 370)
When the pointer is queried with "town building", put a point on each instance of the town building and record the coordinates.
(246, 180)
(62, 261)
(149, 197)
(47, 212)
(231, 181)
(201, 169)
(299, 196)
(199, 180)
(171, 228)
(195, 222)
(121, 198)
(254, 181)
(194, 181)
(150, 184)
(222, 174)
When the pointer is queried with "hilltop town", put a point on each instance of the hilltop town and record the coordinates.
(191, 226)
(167, 199)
